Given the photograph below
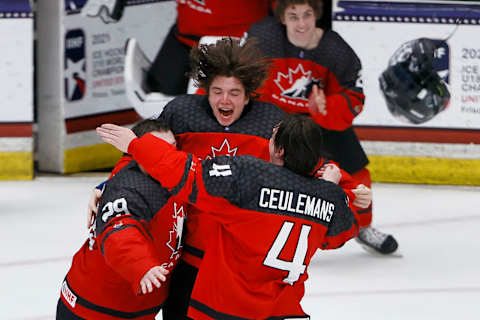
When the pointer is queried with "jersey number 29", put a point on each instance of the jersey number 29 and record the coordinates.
(295, 267)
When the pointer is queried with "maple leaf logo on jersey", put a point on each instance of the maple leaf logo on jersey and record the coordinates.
(223, 150)
(175, 241)
(297, 84)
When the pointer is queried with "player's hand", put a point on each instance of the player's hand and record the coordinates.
(153, 278)
(93, 206)
(117, 136)
(317, 102)
(331, 172)
(363, 196)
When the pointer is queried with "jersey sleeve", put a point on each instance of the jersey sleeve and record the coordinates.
(343, 227)
(162, 161)
(124, 241)
(339, 118)
(347, 183)
(343, 93)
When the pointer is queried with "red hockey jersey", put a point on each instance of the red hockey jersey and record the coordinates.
(198, 18)
(271, 222)
(198, 132)
(139, 226)
(333, 66)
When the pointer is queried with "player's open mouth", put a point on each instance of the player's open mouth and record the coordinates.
(225, 113)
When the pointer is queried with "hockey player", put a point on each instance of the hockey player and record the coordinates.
(272, 218)
(124, 272)
(227, 121)
(316, 71)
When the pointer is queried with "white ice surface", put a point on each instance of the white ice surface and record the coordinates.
(436, 277)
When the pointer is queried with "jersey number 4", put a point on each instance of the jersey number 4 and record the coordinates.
(296, 267)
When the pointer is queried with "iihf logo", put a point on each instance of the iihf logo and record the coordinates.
(75, 65)
(297, 84)
(441, 61)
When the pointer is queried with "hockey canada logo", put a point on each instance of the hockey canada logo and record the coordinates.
(223, 150)
(297, 84)
(175, 241)
(75, 65)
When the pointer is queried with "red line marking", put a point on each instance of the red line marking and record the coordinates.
(17, 129)
(402, 134)
(87, 123)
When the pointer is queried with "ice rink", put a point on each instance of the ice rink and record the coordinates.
(436, 274)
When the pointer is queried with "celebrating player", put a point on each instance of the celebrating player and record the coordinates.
(272, 217)
(227, 121)
(316, 71)
(123, 273)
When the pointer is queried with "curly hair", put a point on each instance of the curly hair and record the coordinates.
(229, 58)
(282, 5)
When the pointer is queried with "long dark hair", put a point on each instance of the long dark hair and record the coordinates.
(228, 58)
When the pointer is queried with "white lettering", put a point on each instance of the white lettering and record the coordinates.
(309, 206)
(324, 210)
(273, 199)
(68, 294)
(331, 208)
(262, 203)
(73, 43)
(289, 207)
(300, 203)
(283, 200)
(220, 170)
(317, 209)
